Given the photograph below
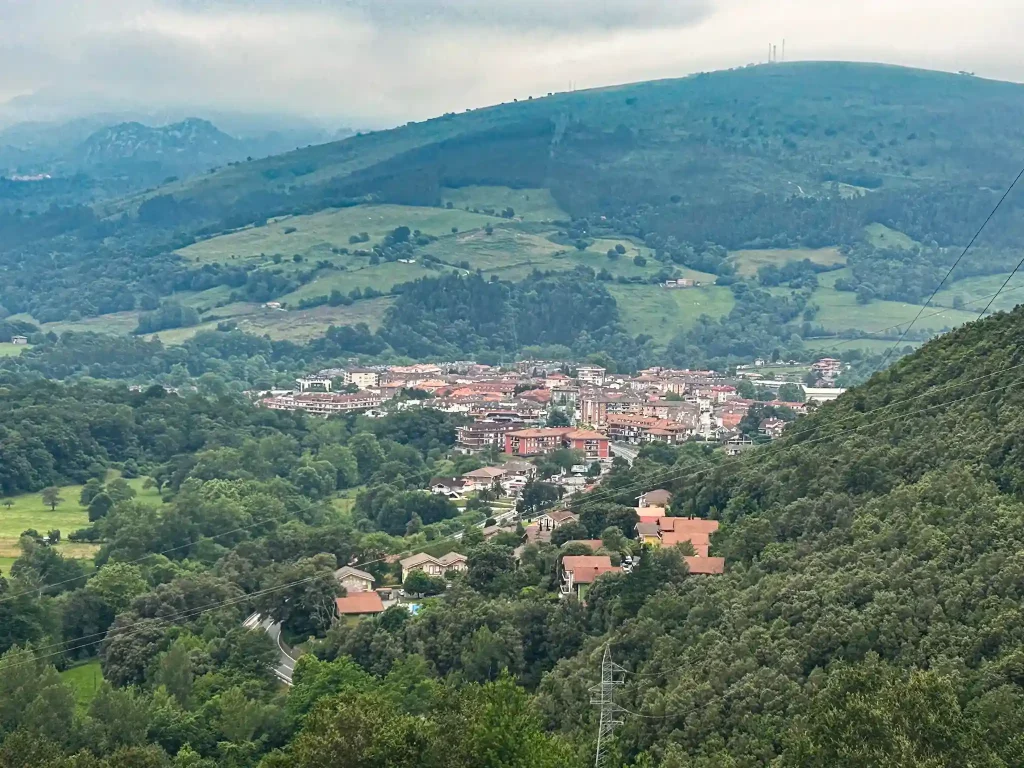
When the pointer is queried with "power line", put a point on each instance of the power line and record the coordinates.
(603, 696)
(1005, 283)
(950, 271)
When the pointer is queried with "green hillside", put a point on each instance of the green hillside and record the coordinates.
(875, 175)
(868, 614)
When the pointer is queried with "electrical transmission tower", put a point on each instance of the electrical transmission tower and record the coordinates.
(604, 697)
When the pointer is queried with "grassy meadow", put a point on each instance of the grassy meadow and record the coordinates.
(86, 680)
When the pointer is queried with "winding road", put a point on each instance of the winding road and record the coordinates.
(285, 662)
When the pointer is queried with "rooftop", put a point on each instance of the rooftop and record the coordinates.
(359, 603)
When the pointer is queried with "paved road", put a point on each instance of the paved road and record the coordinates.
(627, 452)
(285, 664)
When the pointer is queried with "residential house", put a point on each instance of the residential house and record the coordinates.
(656, 498)
(482, 479)
(19, 341)
(556, 518)
(828, 368)
(359, 604)
(771, 427)
(434, 566)
(673, 531)
(451, 487)
(354, 580)
(579, 572)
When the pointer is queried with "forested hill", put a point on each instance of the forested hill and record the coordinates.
(871, 610)
(708, 139)
(844, 190)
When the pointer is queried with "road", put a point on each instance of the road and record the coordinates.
(626, 452)
(285, 663)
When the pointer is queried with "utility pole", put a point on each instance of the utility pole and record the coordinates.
(604, 697)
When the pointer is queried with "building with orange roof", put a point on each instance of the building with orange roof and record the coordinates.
(579, 572)
(541, 440)
(359, 604)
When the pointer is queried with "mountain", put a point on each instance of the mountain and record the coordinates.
(186, 147)
(841, 193)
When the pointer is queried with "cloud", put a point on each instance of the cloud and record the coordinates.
(380, 62)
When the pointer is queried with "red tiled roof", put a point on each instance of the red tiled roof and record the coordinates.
(589, 575)
(706, 565)
(358, 603)
(688, 525)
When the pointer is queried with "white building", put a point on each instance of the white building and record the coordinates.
(591, 374)
(822, 394)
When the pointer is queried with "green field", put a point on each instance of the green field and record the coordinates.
(11, 350)
(975, 293)
(316, 234)
(867, 346)
(661, 313)
(28, 511)
(528, 204)
(882, 236)
(117, 324)
(748, 262)
(5, 564)
(840, 311)
(85, 679)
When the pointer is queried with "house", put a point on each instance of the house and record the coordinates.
(359, 604)
(707, 566)
(671, 531)
(579, 572)
(324, 403)
(771, 427)
(556, 518)
(828, 368)
(364, 378)
(19, 341)
(657, 498)
(434, 566)
(482, 479)
(451, 487)
(354, 580)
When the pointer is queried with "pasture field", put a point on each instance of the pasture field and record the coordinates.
(528, 204)
(315, 235)
(749, 261)
(86, 680)
(12, 350)
(882, 236)
(840, 311)
(661, 313)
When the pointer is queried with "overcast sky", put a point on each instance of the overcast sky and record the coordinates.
(381, 62)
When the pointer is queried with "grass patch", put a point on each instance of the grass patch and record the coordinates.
(28, 511)
(975, 293)
(528, 204)
(12, 350)
(86, 680)
(840, 311)
(5, 564)
(119, 323)
(748, 262)
(661, 313)
(867, 346)
(882, 236)
(316, 234)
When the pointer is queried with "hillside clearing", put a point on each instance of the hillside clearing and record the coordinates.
(749, 261)
(662, 313)
(840, 311)
(528, 204)
(12, 350)
(882, 236)
(86, 680)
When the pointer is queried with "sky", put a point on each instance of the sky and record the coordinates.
(375, 63)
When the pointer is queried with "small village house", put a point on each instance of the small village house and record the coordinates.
(359, 604)
(579, 572)
(19, 341)
(354, 580)
(657, 498)
(434, 566)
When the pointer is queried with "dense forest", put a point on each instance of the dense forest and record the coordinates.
(867, 615)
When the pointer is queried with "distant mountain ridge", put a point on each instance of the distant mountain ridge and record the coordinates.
(190, 141)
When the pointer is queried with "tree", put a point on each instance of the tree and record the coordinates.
(535, 496)
(301, 595)
(640, 261)
(594, 470)
(490, 568)
(791, 393)
(89, 491)
(117, 585)
(558, 418)
(51, 497)
(613, 540)
(419, 583)
(118, 490)
(596, 517)
(572, 531)
(99, 507)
